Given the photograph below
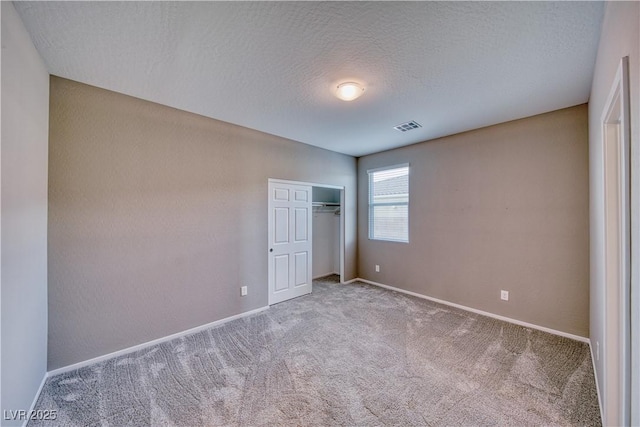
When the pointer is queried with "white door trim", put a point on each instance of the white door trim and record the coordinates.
(312, 184)
(616, 250)
(635, 271)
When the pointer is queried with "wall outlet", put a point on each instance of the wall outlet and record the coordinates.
(377, 268)
(504, 295)
(243, 291)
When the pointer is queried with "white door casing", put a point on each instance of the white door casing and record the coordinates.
(617, 234)
(290, 241)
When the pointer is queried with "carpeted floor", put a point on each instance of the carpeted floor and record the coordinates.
(352, 355)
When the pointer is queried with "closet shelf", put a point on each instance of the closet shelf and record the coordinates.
(330, 207)
(326, 204)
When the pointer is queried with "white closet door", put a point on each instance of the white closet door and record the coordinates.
(289, 241)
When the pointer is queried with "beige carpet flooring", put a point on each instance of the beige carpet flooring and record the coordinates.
(349, 355)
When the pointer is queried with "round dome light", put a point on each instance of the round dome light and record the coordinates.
(349, 91)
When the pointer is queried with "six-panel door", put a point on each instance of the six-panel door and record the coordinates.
(289, 241)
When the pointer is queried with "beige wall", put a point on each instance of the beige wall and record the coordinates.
(158, 216)
(620, 37)
(503, 207)
(25, 119)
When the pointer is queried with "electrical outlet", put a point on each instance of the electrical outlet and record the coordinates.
(243, 291)
(377, 268)
(504, 295)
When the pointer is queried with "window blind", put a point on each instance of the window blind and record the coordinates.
(389, 203)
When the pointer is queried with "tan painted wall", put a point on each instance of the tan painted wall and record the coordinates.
(25, 126)
(620, 37)
(158, 216)
(503, 207)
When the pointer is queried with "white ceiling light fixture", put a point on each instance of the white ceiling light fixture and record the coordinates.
(348, 91)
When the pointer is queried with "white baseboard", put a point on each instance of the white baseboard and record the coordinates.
(350, 281)
(484, 313)
(151, 343)
(593, 364)
(37, 396)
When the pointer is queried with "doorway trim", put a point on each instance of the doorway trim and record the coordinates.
(617, 250)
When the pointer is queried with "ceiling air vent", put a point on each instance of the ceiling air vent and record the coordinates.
(403, 127)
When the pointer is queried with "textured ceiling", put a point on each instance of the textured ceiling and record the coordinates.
(271, 66)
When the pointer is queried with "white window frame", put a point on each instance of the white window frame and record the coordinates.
(371, 204)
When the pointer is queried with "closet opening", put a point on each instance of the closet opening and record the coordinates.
(328, 232)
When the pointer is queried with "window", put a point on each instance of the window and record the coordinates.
(389, 203)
